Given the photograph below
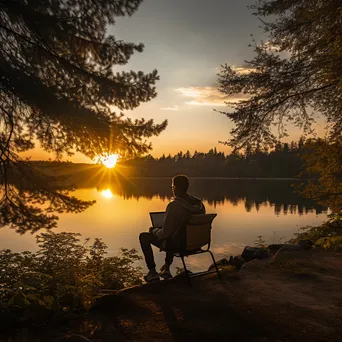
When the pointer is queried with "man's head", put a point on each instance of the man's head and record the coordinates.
(180, 185)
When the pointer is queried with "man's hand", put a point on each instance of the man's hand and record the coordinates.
(152, 230)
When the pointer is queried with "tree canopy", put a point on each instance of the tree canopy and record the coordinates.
(294, 76)
(323, 162)
(61, 86)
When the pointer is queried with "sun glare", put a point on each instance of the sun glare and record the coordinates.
(107, 194)
(109, 161)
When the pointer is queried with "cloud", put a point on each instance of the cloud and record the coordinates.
(272, 47)
(207, 96)
(242, 69)
(203, 96)
(173, 108)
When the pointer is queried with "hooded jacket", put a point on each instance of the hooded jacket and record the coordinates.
(177, 214)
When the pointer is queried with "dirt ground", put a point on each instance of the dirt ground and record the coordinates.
(296, 296)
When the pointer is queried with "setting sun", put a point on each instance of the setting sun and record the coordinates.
(109, 161)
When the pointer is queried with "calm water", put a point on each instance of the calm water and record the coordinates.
(245, 208)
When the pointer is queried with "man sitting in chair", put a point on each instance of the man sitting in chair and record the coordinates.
(177, 214)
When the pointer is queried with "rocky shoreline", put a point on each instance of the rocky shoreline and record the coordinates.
(259, 253)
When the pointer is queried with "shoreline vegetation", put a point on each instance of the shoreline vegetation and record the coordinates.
(64, 275)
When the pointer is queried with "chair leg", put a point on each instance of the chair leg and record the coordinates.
(217, 270)
(186, 271)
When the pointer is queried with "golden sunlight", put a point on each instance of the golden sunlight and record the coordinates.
(107, 193)
(109, 161)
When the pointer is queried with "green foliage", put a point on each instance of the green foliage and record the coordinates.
(260, 242)
(328, 235)
(60, 86)
(63, 275)
(330, 243)
(323, 164)
(294, 76)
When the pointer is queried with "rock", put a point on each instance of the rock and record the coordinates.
(222, 262)
(252, 265)
(182, 274)
(288, 252)
(251, 253)
(306, 244)
(291, 247)
(275, 247)
(261, 253)
(237, 262)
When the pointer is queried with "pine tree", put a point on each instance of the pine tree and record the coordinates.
(294, 76)
(60, 86)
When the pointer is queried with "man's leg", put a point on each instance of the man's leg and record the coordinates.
(146, 242)
(168, 259)
(165, 270)
(146, 239)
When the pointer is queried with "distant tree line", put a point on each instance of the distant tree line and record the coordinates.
(284, 161)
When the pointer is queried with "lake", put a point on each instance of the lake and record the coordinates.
(245, 209)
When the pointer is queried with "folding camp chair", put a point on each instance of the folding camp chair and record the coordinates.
(197, 235)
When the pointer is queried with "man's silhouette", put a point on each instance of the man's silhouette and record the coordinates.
(177, 214)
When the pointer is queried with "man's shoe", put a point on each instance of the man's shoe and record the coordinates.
(151, 276)
(165, 273)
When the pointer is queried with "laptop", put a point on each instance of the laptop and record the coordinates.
(157, 219)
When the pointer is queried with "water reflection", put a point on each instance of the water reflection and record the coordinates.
(278, 194)
(245, 208)
(107, 193)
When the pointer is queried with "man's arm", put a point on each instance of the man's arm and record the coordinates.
(169, 226)
(203, 210)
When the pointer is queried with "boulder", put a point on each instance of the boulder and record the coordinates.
(255, 264)
(275, 247)
(302, 244)
(306, 244)
(251, 253)
(222, 262)
(237, 262)
(289, 252)
(291, 247)
(181, 274)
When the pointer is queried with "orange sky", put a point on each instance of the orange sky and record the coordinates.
(169, 142)
(188, 67)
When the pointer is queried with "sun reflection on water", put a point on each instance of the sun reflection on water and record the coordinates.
(107, 193)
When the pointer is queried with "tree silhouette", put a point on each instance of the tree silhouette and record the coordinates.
(324, 166)
(282, 162)
(296, 74)
(60, 86)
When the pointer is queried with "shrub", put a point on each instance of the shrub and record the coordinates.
(63, 275)
(328, 235)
